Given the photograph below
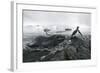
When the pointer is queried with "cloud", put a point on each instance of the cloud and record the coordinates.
(36, 21)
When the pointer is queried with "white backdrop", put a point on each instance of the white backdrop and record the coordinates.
(5, 35)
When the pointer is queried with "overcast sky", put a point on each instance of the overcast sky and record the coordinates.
(36, 21)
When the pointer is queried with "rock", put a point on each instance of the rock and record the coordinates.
(65, 49)
(47, 42)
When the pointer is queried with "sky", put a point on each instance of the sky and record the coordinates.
(37, 21)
